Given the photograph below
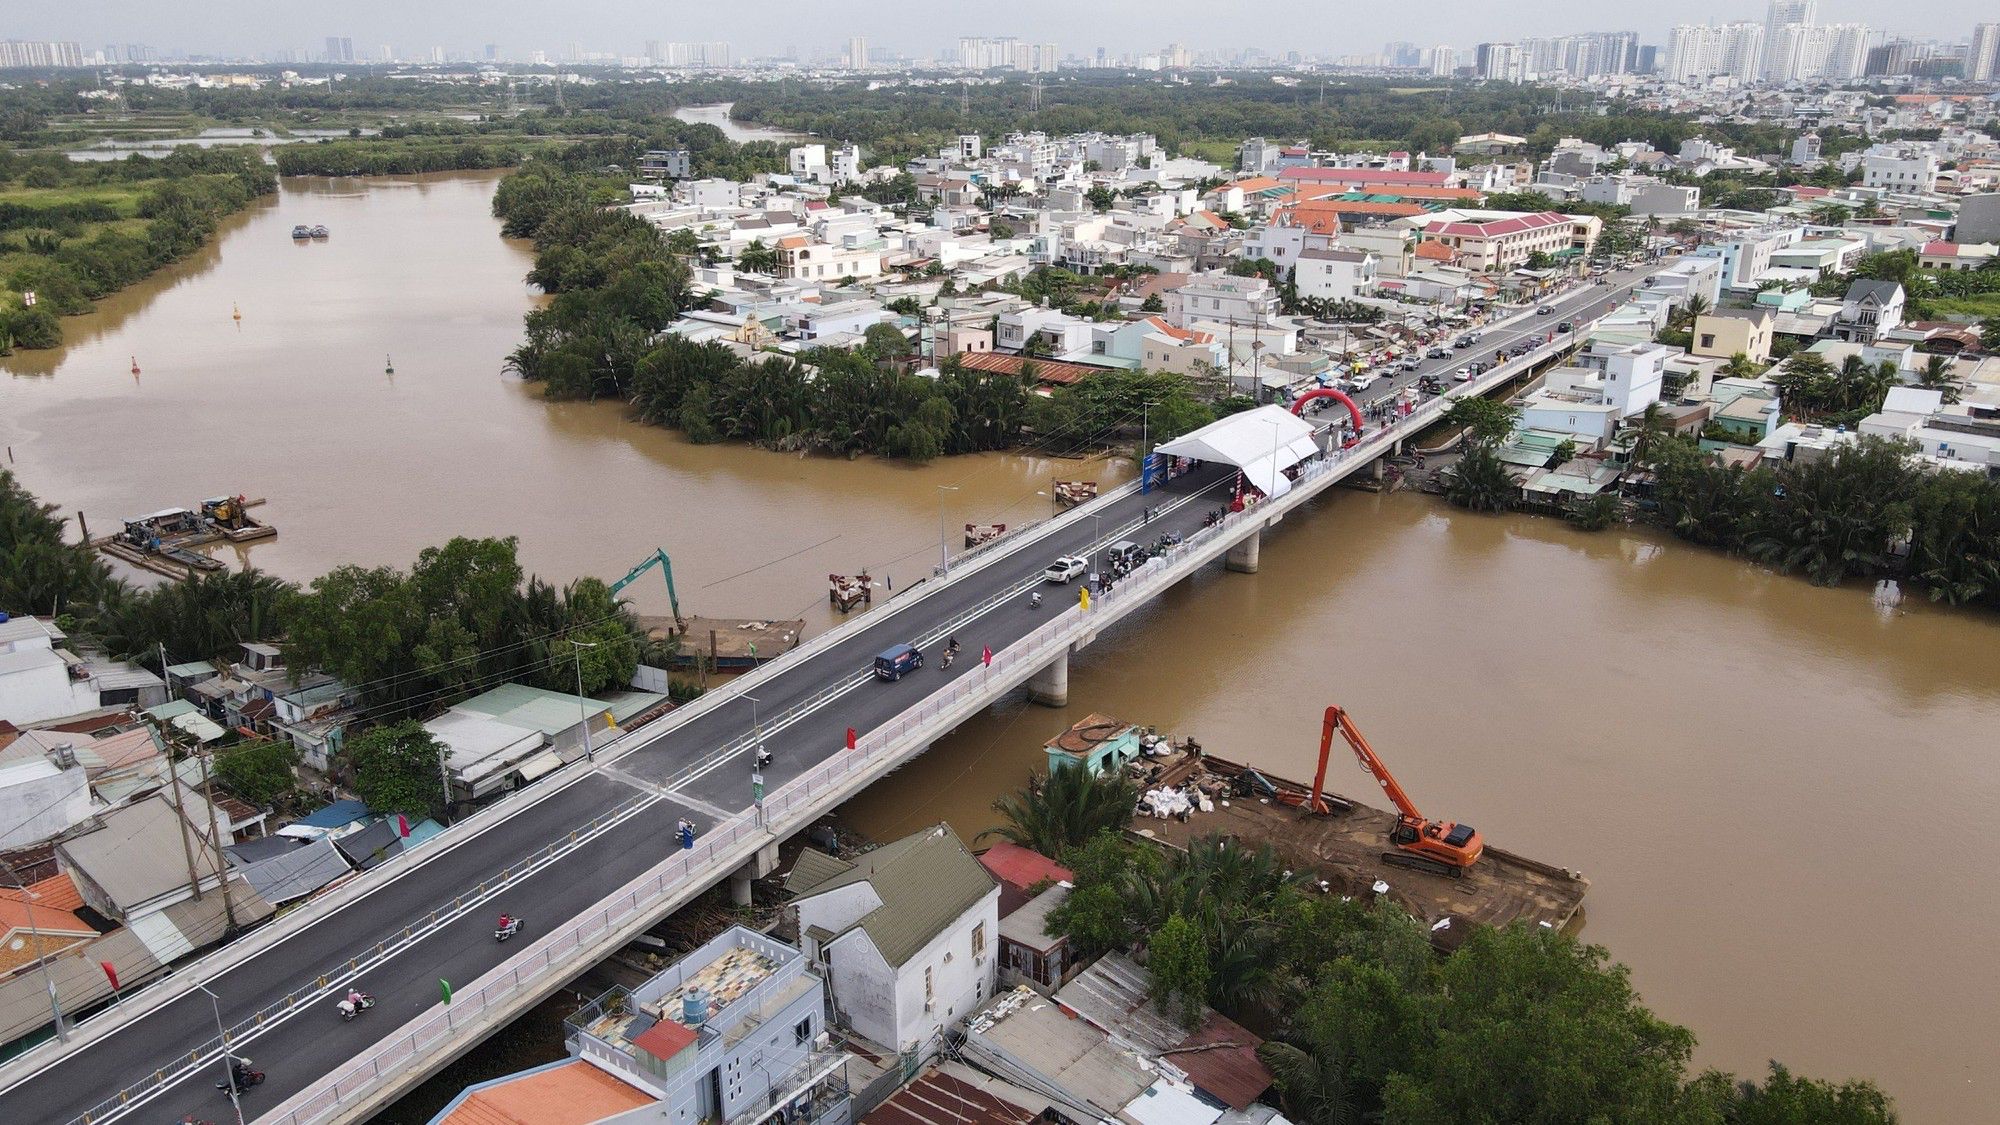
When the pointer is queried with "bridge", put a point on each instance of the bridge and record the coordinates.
(588, 856)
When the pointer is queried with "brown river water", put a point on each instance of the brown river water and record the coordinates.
(1778, 791)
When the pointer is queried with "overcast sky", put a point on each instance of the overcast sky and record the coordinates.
(921, 27)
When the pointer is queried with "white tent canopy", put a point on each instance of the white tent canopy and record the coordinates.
(1263, 443)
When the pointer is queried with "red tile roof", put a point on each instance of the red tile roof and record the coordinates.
(1184, 335)
(574, 1093)
(1436, 252)
(937, 1098)
(1940, 250)
(666, 1039)
(1235, 1074)
(1515, 225)
(1021, 868)
(1363, 176)
(1046, 370)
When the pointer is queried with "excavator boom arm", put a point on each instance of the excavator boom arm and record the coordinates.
(1337, 719)
(659, 558)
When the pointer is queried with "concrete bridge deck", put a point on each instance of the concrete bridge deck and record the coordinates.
(588, 857)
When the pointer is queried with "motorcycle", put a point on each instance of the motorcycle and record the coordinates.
(945, 660)
(1035, 600)
(502, 933)
(241, 1077)
(351, 1008)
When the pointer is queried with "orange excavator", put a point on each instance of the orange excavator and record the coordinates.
(1436, 846)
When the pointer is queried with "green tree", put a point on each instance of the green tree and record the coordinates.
(1563, 453)
(1486, 421)
(1177, 958)
(1480, 481)
(1838, 516)
(396, 769)
(1786, 1099)
(1067, 809)
(1939, 375)
(39, 571)
(1152, 304)
(260, 772)
(757, 257)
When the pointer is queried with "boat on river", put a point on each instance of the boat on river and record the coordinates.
(302, 232)
(320, 232)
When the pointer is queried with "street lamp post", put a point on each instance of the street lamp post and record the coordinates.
(228, 1056)
(582, 708)
(28, 898)
(944, 542)
(756, 758)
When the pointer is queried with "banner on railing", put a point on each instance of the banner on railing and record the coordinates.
(978, 533)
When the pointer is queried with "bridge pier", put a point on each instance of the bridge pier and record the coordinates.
(760, 865)
(1050, 686)
(1378, 468)
(1242, 558)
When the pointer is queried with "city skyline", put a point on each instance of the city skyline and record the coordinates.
(902, 28)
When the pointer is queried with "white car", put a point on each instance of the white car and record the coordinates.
(1363, 382)
(1462, 375)
(1066, 568)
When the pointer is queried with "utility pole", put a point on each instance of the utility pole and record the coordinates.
(208, 797)
(581, 706)
(180, 814)
(28, 898)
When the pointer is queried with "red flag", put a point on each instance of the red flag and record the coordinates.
(850, 738)
(110, 974)
(402, 825)
(986, 655)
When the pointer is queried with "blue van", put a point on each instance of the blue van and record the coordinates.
(897, 660)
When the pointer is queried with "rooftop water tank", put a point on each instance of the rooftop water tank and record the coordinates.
(694, 1007)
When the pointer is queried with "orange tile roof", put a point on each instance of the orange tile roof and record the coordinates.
(793, 241)
(57, 892)
(1436, 251)
(1184, 335)
(1256, 183)
(575, 1093)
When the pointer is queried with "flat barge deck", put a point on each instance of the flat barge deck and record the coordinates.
(726, 642)
(1344, 848)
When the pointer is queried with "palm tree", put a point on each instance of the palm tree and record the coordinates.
(757, 257)
(1696, 305)
(1316, 1090)
(1938, 375)
(1740, 366)
(1480, 481)
(1068, 808)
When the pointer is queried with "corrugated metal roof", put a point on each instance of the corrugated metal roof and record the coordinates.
(138, 854)
(1115, 995)
(925, 881)
(812, 868)
(296, 872)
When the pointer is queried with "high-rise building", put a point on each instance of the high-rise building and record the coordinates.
(1846, 51)
(32, 53)
(1698, 52)
(339, 49)
(857, 53)
(1982, 62)
(1441, 60)
(1501, 62)
(1782, 51)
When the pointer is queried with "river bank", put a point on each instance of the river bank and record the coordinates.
(1742, 763)
(1734, 757)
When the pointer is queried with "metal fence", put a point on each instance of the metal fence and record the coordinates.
(803, 798)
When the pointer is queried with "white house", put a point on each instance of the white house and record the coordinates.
(42, 793)
(1225, 297)
(1904, 168)
(1630, 374)
(1869, 309)
(38, 680)
(1335, 275)
(908, 933)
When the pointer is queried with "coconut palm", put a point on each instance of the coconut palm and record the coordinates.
(1480, 481)
(1068, 808)
(1317, 1087)
(1938, 375)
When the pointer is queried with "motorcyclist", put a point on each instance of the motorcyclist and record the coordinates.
(239, 1071)
(1035, 600)
(356, 998)
(506, 922)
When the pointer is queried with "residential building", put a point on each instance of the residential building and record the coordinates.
(36, 922)
(1645, 195)
(1221, 297)
(906, 934)
(1964, 435)
(19, 53)
(1152, 344)
(1746, 255)
(1978, 218)
(1729, 332)
(802, 258)
(668, 163)
(149, 856)
(1699, 52)
(1497, 241)
(1218, 1057)
(1338, 275)
(1869, 309)
(515, 734)
(1904, 168)
(38, 680)
(1982, 61)
(1630, 374)
(857, 53)
(732, 1032)
(43, 791)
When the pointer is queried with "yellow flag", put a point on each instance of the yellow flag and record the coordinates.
(1083, 598)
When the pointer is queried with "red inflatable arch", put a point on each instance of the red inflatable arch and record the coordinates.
(1328, 392)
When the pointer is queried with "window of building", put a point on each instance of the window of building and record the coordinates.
(802, 1031)
(979, 941)
(930, 991)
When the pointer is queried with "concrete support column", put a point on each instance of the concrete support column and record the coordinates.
(1402, 444)
(739, 886)
(1242, 558)
(760, 865)
(1378, 467)
(1050, 686)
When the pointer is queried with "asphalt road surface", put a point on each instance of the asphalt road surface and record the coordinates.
(678, 773)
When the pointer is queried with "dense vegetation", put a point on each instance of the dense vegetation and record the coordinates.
(1366, 1023)
(617, 284)
(71, 232)
(1863, 512)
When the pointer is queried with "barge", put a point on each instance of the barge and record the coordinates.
(1345, 847)
(165, 541)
